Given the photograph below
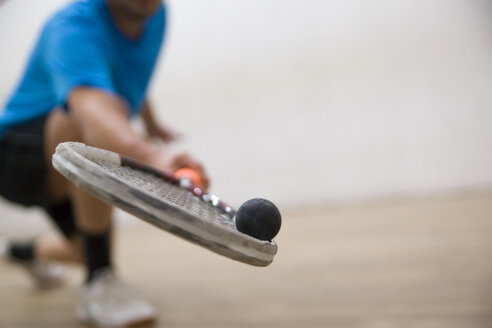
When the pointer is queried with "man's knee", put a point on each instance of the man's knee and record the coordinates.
(60, 127)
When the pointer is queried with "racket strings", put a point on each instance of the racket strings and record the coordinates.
(166, 192)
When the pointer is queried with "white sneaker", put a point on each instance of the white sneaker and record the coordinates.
(107, 302)
(44, 274)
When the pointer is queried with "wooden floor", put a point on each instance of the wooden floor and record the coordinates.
(417, 263)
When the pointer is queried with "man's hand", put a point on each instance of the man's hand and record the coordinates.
(171, 162)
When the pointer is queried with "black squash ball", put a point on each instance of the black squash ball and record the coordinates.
(259, 218)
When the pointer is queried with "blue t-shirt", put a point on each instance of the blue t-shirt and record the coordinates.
(81, 46)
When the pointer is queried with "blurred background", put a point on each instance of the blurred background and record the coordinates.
(370, 117)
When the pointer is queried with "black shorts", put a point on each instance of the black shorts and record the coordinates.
(24, 173)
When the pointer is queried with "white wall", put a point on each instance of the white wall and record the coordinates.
(314, 101)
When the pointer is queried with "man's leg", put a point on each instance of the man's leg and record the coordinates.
(93, 217)
(94, 225)
(83, 220)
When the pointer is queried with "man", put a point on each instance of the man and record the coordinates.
(87, 75)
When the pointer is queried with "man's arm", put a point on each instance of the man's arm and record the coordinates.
(102, 121)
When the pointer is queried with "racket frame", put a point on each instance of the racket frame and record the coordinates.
(73, 161)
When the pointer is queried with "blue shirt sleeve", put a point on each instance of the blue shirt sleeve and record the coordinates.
(75, 56)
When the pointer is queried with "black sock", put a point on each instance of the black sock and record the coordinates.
(21, 251)
(64, 218)
(97, 252)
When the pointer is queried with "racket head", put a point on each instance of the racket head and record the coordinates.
(158, 202)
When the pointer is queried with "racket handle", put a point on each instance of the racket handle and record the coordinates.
(134, 164)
